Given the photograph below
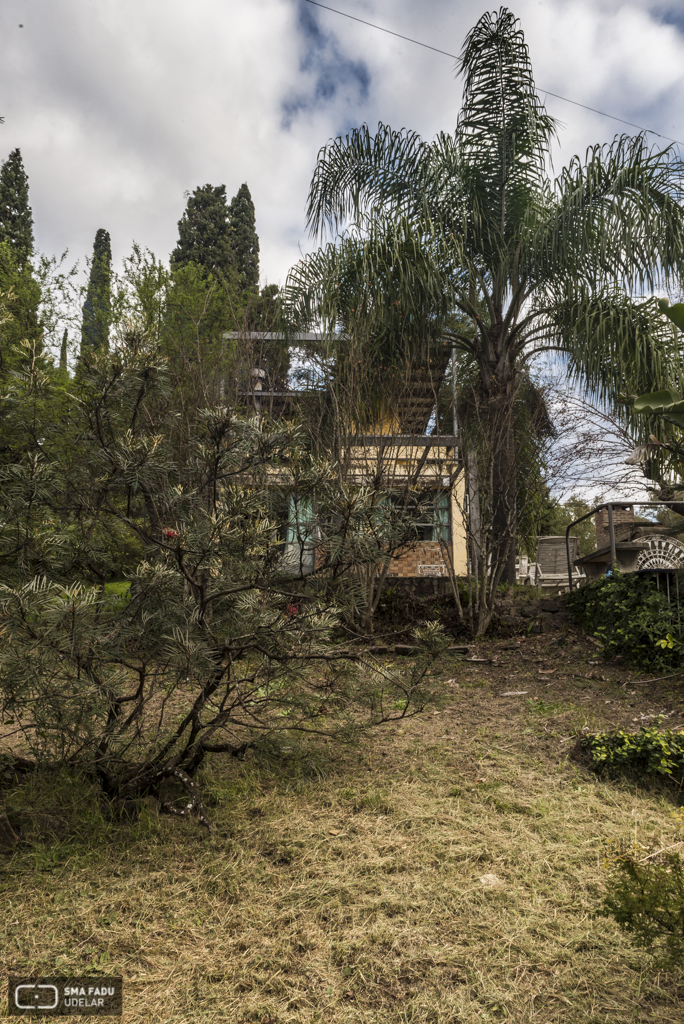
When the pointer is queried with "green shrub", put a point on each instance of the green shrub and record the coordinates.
(648, 753)
(123, 550)
(629, 615)
(645, 895)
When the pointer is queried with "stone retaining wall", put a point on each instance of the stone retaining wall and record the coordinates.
(546, 614)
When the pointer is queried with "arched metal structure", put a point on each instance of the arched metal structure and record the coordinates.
(661, 553)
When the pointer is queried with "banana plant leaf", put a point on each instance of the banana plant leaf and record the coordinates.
(674, 313)
(668, 404)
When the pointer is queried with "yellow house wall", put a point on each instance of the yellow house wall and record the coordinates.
(427, 556)
(459, 547)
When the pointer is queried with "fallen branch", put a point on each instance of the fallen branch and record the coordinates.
(657, 679)
(664, 850)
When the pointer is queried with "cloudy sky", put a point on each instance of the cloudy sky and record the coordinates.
(121, 106)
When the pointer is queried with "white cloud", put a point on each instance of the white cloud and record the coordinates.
(120, 106)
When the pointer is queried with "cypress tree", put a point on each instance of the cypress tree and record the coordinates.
(244, 240)
(203, 231)
(97, 308)
(16, 219)
(16, 276)
(63, 353)
(16, 272)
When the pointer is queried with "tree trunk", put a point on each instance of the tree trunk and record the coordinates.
(504, 477)
(474, 518)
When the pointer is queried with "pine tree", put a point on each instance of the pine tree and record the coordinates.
(97, 308)
(244, 240)
(16, 219)
(203, 232)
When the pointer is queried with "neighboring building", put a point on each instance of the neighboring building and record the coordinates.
(639, 546)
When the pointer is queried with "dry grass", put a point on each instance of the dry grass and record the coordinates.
(446, 870)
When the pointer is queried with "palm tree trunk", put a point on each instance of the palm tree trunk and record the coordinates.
(504, 477)
(474, 518)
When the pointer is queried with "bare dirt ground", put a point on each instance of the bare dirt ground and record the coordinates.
(447, 869)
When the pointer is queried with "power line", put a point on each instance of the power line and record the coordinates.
(427, 46)
(381, 29)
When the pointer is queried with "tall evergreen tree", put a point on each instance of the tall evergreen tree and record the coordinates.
(16, 219)
(97, 308)
(244, 240)
(22, 299)
(203, 232)
(63, 368)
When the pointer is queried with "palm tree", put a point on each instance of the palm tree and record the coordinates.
(471, 234)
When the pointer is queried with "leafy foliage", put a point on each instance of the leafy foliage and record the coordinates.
(663, 460)
(63, 352)
(668, 403)
(22, 298)
(263, 313)
(629, 615)
(644, 754)
(221, 641)
(674, 313)
(645, 895)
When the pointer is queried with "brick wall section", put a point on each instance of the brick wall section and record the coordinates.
(623, 522)
(425, 553)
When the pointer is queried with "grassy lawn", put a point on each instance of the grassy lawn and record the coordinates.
(118, 588)
(445, 870)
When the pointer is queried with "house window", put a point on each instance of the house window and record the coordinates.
(430, 513)
(301, 535)
(434, 521)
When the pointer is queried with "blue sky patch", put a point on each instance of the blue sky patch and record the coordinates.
(327, 71)
(673, 16)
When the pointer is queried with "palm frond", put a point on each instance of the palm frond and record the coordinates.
(612, 343)
(361, 170)
(614, 217)
(388, 275)
(503, 129)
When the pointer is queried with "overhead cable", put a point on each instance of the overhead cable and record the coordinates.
(445, 53)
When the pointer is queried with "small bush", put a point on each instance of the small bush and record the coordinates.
(629, 615)
(646, 897)
(648, 753)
